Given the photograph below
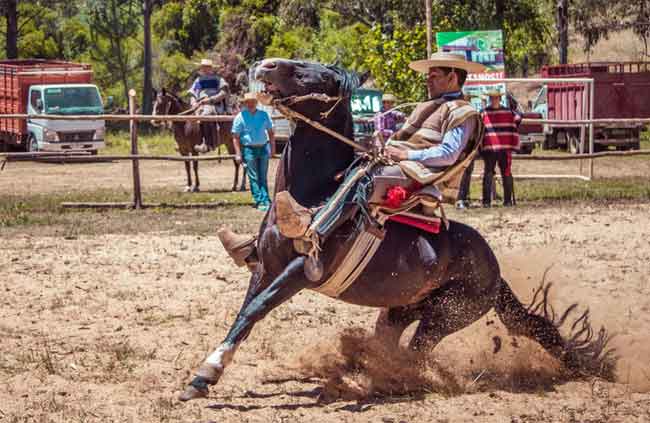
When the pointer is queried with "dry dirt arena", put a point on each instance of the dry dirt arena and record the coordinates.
(109, 329)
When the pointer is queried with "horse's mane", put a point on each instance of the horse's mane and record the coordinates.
(349, 81)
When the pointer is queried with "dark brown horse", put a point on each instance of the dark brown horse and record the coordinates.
(188, 134)
(446, 294)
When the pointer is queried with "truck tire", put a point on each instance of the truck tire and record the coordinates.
(550, 141)
(31, 146)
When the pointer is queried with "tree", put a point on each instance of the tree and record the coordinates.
(597, 19)
(113, 26)
(10, 10)
(562, 26)
(147, 86)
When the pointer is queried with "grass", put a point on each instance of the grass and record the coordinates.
(160, 143)
(154, 143)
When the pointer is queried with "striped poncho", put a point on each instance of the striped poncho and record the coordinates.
(501, 131)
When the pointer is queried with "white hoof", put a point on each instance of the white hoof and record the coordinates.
(188, 189)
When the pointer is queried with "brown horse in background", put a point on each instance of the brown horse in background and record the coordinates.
(188, 134)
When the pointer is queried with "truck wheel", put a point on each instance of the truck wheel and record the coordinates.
(93, 152)
(31, 146)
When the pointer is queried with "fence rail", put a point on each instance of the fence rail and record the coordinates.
(135, 157)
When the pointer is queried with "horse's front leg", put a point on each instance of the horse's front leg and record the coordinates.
(286, 285)
(243, 180)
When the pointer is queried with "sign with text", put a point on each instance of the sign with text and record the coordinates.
(485, 47)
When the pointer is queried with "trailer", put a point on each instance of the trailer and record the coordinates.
(621, 91)
(49, 87)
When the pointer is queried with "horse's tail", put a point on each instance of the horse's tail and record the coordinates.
(582, 353)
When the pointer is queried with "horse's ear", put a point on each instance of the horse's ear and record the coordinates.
(154, 93)
(163, 92)
(363, 78)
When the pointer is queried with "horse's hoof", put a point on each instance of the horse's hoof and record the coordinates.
(196, 189)
(191, 393)
(188, 189)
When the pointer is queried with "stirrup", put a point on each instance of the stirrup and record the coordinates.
(292, 219)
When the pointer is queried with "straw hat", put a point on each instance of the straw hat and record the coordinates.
(389, 97)
(443, 59)
(205, 62)
(250, 97)
(493, 93)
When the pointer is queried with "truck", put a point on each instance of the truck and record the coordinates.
(49, 87)
(365, 103)
(621, 90)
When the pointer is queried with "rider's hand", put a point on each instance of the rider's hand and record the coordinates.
(396, 154)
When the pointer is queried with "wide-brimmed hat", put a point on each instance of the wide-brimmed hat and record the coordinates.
(205, 62)
(389, 97)
(443, 59)
(250, 97)
(493, 93)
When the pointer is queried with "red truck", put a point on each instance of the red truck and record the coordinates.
(621, 90)
(49, 87)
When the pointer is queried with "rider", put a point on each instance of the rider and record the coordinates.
(209, 94)
(434, 136)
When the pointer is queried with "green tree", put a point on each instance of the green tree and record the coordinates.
(389, 57)
(114, 24)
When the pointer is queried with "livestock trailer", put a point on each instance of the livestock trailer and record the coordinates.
(621, 91)
(49, 87)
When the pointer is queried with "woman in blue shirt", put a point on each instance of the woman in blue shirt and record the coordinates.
(254, 144)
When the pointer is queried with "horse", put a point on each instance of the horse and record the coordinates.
(459, 287)
(188, 134)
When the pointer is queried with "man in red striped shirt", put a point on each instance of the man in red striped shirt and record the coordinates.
(501, 138)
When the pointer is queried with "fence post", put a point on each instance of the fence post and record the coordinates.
(133, 129)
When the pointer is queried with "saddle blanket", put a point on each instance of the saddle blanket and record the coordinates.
(430, 225)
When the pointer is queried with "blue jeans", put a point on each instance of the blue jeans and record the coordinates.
(256, 160)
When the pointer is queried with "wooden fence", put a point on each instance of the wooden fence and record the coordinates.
(135, 157)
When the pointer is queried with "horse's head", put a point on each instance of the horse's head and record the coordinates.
(165, 103)
(286, 78)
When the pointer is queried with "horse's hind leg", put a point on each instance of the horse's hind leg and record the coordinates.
(188, 173)
(452, 308)
(234, 182)
(392, 322)
(195, 188)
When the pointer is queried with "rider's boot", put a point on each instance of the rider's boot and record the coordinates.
(508, 191)
(203, 147)
(292, 219)
(238, 247)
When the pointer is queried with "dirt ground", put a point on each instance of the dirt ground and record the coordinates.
(110, 327)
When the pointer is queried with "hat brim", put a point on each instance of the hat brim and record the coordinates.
(423, 66)
(205, 65)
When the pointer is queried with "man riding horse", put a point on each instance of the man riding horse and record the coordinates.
(437, 135)
(209, 94)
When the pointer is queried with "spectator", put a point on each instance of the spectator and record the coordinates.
(501, 138)
(386, 123)
(254, 143)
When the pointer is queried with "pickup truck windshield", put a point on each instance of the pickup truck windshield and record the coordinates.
(72, 100)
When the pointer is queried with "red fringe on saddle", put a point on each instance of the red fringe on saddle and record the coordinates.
(425, 225)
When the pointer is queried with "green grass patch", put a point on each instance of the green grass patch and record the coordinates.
(155, 143)
(42, 214)
(552, 190)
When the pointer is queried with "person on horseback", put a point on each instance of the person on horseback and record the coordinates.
(209, 94)
(437, 135)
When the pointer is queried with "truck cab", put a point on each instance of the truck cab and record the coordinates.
(63, 135)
